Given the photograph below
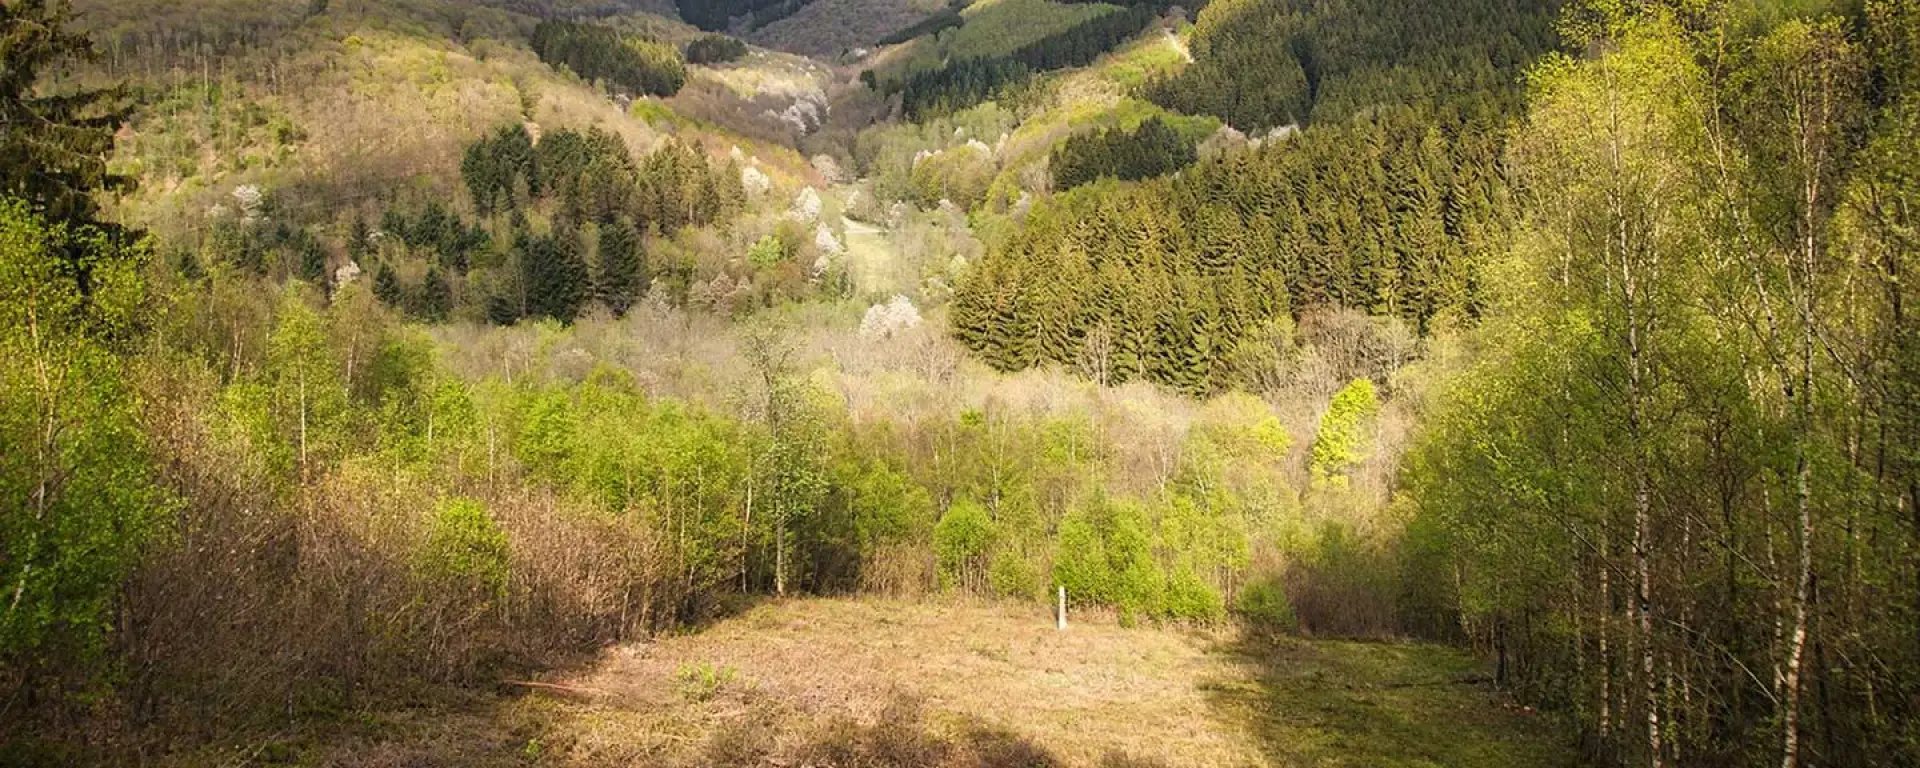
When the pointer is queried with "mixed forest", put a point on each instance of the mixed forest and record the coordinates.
(362, 350)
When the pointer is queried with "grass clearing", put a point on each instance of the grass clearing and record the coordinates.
(891, 682)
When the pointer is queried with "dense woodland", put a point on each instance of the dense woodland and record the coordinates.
(1151, 149)
(1677, 494)
(1183, 281)
(598, 53)
(715, 49)
(1581, 337)
(963, 82)
(719, 15)
(1260, 64)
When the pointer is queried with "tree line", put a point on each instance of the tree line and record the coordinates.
(1150, 149)
(718, 15)
(715, 49)
(1676, 498)
(1179, 280)
(601, 201)
(1260, 64)
(965, 82)
(599, 53)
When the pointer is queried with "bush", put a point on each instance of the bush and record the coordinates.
(1139, 590)
(1191, 598)
(465, 546)
(1080, 558)
(1341, 440)
(1013, 576)
(1264, 607)
(960, 542)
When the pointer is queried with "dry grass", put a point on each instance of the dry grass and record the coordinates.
(872, 682)
(1079, 695)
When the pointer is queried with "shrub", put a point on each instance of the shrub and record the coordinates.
(1341, 440)
(1191, 598)
(465, 546)
(766, 252)
(1138, 589)
(960, 542)
(1080, 559)
(1012, 575)
(1264, 607)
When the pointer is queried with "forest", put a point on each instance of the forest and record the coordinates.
(719, 15)
(599, 53)
(370, 360)
(963, 82)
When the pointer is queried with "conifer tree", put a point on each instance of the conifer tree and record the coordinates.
(620, 277)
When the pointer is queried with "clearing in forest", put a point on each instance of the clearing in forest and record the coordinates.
(884, 682)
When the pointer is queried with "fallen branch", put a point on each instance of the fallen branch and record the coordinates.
(573, 689)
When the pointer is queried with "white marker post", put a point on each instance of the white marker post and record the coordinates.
(1063, 609)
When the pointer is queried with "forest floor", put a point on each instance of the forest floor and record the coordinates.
(873, 681)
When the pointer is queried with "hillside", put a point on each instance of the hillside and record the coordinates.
(830, 28)
(586, 382)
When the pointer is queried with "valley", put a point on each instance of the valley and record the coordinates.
(638, 382)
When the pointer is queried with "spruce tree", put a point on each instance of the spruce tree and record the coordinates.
(621, 277)
(555, 275)
(436, 296)
(53, 148)
(387, 287)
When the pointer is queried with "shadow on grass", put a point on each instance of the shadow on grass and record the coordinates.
(1344, 703)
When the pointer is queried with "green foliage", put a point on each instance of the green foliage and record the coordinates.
(466, 547)
(1633, 423)
(766, 252)
(307, 404)
(1080, 557)
(1259, 64)
(1014, 576)
(958, 85)
(1152, 149)
(960, 175)
(962, 542)
(52, 153)
(620, 269)
(715, 49)
(601, 53)
(78, 497)
(947, 18)
(1191, 598)
(704, 680)
(970, 75)
(1263, 605)
(1341, 441)
(502, 171)
(554, 274)
(1105, 556)
(1173, 280)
